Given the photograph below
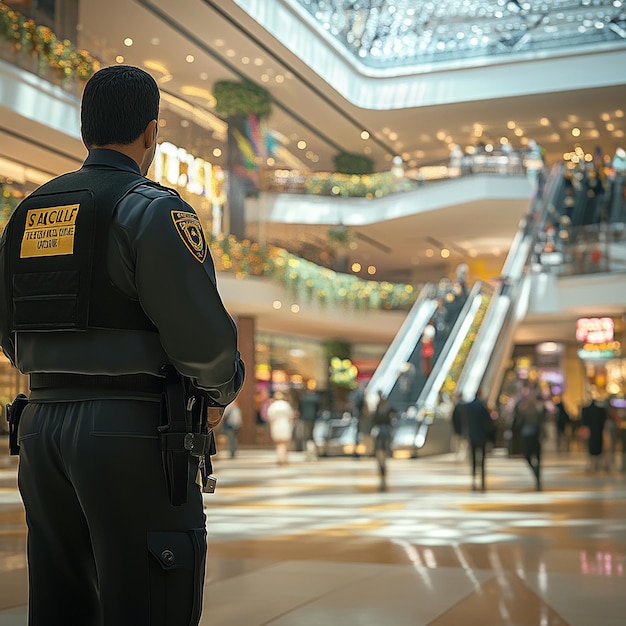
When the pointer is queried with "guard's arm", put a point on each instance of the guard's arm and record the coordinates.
(174, 279)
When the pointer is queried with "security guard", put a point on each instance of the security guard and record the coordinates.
(112, 308)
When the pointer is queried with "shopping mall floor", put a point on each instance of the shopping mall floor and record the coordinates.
(316, 543)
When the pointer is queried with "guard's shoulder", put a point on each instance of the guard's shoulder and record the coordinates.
(153, 191)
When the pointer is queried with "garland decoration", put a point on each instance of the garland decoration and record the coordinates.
(60, 55)
(355, 186)
(449, 384)
(307, 281)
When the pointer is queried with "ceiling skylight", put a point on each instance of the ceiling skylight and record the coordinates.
(399, 33)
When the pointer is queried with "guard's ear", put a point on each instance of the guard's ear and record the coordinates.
(150, 134)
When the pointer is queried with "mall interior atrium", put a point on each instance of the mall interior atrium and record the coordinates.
(417, 200)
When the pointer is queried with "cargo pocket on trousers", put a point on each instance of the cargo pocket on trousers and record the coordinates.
(176, 576)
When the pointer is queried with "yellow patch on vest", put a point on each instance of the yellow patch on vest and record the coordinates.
(190, 231)
(49, 231)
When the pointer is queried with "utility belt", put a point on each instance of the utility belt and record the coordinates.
(184, 431)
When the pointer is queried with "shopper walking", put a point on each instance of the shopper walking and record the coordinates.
(382, 434)
(280, 416)
(480, 430)
(529, 419)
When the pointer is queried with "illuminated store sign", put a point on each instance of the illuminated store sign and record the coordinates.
(597, 336)
(177, 167)
(595, 330)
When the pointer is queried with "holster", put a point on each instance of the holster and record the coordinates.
(184, 433)
(14, 413)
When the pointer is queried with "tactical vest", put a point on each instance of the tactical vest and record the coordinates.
(57, 276)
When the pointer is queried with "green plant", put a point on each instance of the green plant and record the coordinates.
(349, 163)
(241, 99)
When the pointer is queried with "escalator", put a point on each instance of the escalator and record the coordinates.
(486, 361)
(468, 353)
(477, 347)
(400, 376)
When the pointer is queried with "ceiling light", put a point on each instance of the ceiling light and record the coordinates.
(155, 41)
(204, 76)
(301, 144)
(217, 152)
(219, 42)
(371, 270)
(575, 132)
(190, 58)
(510, 125)
(619, 113)
(445, 253)
(155, 66)
(295, 308)
(245, 60)
(393, 136)
(265, 78)
(544, 121)
(518, 132)
(365, 135)
(356, 267)
(119, 58)
(198, 92)
(367, 150)
(429, 252)
(277, 304)
(230, 53)
(258, 62)
(128, 42)
(610, 127)
(279, 78)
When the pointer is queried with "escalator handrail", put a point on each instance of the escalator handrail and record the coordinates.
(430, 391)
(398, 353)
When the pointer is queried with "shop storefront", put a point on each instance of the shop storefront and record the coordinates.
(600, 352)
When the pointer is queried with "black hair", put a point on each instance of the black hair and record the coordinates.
(118, 103)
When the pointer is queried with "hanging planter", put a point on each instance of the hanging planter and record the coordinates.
(241, 99)
(349, 163)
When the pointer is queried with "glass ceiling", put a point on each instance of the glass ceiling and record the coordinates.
(396, 33)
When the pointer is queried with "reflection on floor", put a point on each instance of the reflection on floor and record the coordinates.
(316, 543)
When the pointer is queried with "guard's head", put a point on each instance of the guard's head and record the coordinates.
(118, 104)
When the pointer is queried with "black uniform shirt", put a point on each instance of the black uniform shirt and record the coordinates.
(158, 256)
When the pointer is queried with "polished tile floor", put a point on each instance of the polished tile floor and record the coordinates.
(314, 543)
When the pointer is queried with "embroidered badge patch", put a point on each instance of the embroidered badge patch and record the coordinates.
(190, 231)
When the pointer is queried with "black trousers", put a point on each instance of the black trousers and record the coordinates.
(531, 449)
(105, 546)
(478, 449)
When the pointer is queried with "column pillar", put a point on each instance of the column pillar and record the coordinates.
(246, 330)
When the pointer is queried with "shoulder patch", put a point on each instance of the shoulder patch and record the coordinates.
(190, 231)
